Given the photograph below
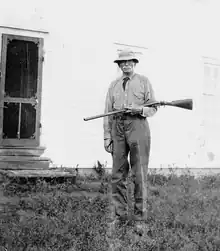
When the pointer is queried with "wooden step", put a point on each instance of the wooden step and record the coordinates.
(52, 172)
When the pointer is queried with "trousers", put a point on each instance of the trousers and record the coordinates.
(131, 136)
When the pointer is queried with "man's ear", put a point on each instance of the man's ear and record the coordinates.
(119, 67)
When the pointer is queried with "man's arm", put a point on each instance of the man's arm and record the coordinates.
(149, 97)
(107, 121)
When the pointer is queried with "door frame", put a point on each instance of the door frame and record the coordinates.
(36, 101)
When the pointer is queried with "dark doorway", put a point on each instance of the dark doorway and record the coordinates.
(21, 79)
(21, 69)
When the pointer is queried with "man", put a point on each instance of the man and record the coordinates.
(129, 134)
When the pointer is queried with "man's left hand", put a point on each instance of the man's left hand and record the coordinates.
(134, 109)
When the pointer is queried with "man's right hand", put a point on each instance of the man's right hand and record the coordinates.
(108, 144)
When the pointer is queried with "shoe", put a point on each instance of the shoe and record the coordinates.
(139, 224)
(139, 228)
(123, 218)
(117, 222)
(137, 218)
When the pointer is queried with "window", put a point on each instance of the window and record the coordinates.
(210, 99)
(211, 76)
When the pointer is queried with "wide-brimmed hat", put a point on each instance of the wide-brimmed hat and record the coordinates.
(126, 55)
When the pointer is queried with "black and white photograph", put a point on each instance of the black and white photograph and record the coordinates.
(110, 125)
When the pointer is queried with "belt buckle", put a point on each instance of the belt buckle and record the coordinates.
(119, 117)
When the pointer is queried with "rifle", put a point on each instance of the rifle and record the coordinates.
(182, 103)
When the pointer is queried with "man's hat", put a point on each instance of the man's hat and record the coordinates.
(126, 55)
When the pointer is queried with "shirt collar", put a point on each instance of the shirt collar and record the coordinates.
(123, 76)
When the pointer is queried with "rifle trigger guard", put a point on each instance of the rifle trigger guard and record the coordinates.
(161, 103)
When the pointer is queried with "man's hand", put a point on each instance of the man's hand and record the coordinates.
(149, 111)
(108, 144)
(134, 109)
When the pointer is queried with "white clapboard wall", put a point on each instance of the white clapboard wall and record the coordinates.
(209, 133)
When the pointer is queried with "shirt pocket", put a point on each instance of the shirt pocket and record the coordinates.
(116, 95)
(138, 93)
(117, 99)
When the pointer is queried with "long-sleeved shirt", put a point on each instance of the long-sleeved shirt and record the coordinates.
(138, 91)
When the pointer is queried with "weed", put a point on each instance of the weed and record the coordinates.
(183, 214)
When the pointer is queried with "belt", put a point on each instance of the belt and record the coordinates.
(127, 116)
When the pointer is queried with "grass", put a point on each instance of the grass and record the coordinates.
(183, 214)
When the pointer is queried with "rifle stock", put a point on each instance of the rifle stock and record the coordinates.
(182, 103)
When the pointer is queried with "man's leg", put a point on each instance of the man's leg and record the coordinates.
(139, 139)
(120, 170)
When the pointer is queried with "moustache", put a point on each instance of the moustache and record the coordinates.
(127, 67)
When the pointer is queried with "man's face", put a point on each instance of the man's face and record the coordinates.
(127, 66)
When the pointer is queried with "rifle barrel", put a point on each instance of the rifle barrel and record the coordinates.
(103, 115)
(183, 103)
